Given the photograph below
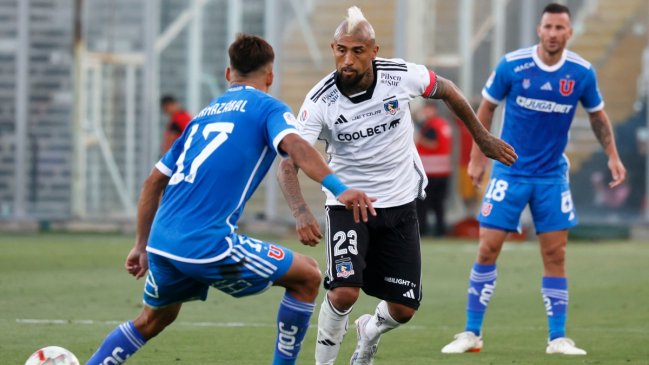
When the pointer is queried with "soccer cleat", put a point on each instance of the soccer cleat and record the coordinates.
(464, 342)
(365, 350)
(564, 346)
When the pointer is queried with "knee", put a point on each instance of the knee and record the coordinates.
(555, 256)
(488, 253)
(343, 298)
(312, 279)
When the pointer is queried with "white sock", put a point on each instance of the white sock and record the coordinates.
(332, 327)
(380, 323)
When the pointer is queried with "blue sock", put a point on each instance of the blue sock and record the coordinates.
(482, 284)
(292, 323)
(118, 346)
(555, 298)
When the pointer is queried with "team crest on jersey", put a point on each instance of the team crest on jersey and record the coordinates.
(304, 115)
(391, 106)
(486, 209)
(526, 84)
(344, 268)
(566, 86)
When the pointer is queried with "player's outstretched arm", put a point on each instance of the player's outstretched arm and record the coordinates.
(306, 225)
(136, 261)
(306, 157)
(491, 146)
(601, 125)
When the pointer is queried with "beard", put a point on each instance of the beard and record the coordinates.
(350, 82)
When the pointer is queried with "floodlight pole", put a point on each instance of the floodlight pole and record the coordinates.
(21, 105)
(526, 20)
(151, 83)
(195, 69)
(78, 204)
(272, 35)
(466, 52)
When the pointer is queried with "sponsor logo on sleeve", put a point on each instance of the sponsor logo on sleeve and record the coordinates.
(490, 80)
(290, 119)
(304, 115)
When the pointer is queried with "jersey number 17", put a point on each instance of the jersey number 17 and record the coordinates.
(223, 130)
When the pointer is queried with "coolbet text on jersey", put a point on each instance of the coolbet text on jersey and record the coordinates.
(366, 134)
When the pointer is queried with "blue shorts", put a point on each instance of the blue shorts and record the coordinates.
(506, 197)
(250, 268)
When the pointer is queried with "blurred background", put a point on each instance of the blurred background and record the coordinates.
(81, 123)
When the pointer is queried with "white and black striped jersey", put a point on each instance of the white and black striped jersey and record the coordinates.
(369, 136)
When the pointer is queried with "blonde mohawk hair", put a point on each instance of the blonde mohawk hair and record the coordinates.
(354, 18)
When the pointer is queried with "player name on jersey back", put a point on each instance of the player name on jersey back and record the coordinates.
(218, 108)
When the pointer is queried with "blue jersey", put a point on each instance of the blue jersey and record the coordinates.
(540, 103)
(215, 167)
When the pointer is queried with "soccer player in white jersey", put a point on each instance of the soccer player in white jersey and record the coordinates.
(362, 112)
(541, 86)
(207, 176)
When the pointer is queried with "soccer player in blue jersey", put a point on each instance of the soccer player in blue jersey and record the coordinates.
(541, 87)
(187, 237)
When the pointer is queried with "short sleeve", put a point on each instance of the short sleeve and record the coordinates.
(499, 83)
(591, 98)
(420, 81)
(310, 120)
(279, 123)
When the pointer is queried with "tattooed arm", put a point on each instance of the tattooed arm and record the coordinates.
(491, 146)
(601, 126)
(307, 226)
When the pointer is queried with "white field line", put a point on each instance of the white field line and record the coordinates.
(29, 321)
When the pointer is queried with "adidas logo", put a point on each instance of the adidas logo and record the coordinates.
(547, 86)
(327, 342)
(341, 119)
(409, 294)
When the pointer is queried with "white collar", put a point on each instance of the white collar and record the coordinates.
(543, 66)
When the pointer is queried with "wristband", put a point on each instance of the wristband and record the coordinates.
(332, 183)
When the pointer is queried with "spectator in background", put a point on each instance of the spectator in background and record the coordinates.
(434, 147)
(178, 120)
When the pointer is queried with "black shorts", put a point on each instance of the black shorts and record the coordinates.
(381, 256)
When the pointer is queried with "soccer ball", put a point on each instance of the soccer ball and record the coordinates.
(52, 355)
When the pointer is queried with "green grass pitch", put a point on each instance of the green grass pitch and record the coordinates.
(70, 290)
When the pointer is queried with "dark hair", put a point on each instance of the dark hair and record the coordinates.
(167, 99)
(248, 53)
(555, 8)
